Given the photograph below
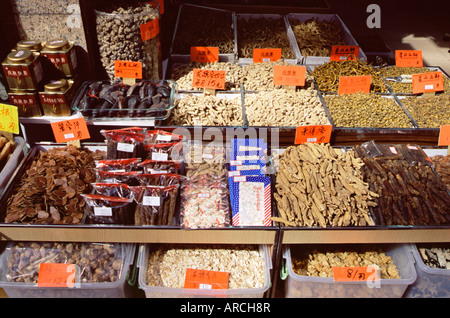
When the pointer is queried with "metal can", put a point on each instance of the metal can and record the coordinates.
(57, 97)
(27, 103)
(32, 45)
(23, 70)
(62, 54)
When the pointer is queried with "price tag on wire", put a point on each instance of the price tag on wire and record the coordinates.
(408, 58)
(354, 84)
(289, 75)
(266, 55)
(313, 134)
(70, 130)
(344, 52)
(208, 79)
(204, 54)
(427, 82)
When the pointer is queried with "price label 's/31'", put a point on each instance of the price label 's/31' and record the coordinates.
(355, 273)
(208, 79)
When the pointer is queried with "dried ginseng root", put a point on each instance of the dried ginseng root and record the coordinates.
(319, 186)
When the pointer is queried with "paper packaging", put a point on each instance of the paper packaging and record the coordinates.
(252, 202)
(250, 189)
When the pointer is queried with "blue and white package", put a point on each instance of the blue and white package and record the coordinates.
(248, 150)
(251, 201)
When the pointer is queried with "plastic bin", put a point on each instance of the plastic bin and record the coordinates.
(166, 292)
(12, 163)
(299, 286)
(115, 289)
(430, 282)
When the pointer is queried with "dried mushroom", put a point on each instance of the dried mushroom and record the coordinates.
(49, 191)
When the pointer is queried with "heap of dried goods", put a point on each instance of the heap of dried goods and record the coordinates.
(49, 191)
(429, 111)
(442, 167)
(317, 185)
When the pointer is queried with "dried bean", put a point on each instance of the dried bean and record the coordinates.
(429, 111)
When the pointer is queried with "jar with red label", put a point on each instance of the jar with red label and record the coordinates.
(27, 103)
(62, 54)
(23, 70)
(56, 98)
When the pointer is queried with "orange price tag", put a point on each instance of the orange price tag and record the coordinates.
(354, 84)
(344, 52)
(313, 134)
(204, 54)
(289, 75)
(444, 136)
(149, 30)
(57, 275)
(408, 58)
(127, 69)
(69, 130)
(204, 279)
(266, 55)
(427, 82)
(209, 79)
(355, 274)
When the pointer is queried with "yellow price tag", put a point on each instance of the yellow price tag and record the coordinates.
(9, 118)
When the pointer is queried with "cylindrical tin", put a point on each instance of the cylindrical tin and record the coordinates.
(62, 54)
(56, 98)
(32, 45)
(23, 70)
(27, 103)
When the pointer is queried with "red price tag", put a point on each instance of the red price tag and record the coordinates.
(56, 275)
(289, 75)
(204, 54)
(266, 55)
(204, 279)
(427, 82)
(127, 69)
(408, 58)
(344, 52)
(354, 84)
(69, 130)
(313, 134)
(208, 79)
(444, 136)
(355, 274)
(149, 30)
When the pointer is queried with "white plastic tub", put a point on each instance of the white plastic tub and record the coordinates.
(299, 286)
(115, 289)
(166, 292)
(12, 163)
(431, 282)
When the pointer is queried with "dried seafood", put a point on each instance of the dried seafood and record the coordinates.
(49, 191)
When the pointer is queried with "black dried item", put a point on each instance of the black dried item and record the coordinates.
(156, 205)
(101, 209)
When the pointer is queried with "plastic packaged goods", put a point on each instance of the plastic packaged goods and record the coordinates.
(13, 157)
(159, 167)
(164, 151)
(114, 99)
(127, 177)
(305, 168)
(101, 269)
(409, 190)
(309, 271)
(130, 32)
(432, 263)
(118, 165)
(69, 171)
(156, 205)
(159, 179)
(119, 190)
(162, 137)
(163, 268)
(102, 209)
(124, 143)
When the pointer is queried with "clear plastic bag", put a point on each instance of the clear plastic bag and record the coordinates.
(118, 165)
(127, 177)
(123, 143)
(164, 152)
(161, 179)
(162, 137)
(159, 167)
(156, 205)
(102, 209)
(119, 190)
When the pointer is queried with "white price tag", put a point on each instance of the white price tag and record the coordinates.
(164, 138)
(102, 211)
(160, 156)
(121, 146)
(151, 201)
